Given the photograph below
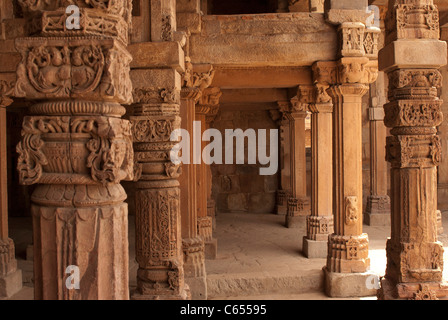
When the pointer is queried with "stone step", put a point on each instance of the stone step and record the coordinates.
(264, 283)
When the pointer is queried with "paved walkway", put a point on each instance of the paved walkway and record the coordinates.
(250, 247)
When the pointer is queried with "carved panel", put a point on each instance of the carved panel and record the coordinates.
(68, 68)
(413, 151)
(351, 210)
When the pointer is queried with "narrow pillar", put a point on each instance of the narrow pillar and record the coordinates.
(158, 235)
(411, 59)
(320, 224)
(211, 205)
(285, 159)
(76, 149)
(348, 260)
(10, 276)
(193, 84)
(298, 202)
(210, 98)
(378, 202)
(442, 169)
(192, 245)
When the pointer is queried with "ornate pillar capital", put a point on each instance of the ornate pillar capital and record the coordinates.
(6, 91)
(407, 19)
(196, 79)
(209, 101)
(348, 70)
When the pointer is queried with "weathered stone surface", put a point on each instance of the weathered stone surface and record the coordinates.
(281, 31)
(157, 55)
(347, 285)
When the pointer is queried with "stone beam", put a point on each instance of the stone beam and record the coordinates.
(261, 77)
(253, 95)
(264, 40)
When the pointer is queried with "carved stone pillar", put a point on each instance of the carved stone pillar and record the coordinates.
(411, 59)
(348, 260)
(193, 84)
(285, 159)
(158, 235)
(298, 202)
(211, 205)
(209, 99)
(10, 276)
(192, 244)
(320, 224)
(75, 147)
(378, 202)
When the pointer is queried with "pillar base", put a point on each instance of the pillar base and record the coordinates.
(377, 211)
(348, 285)
(295, 222)
(281, 210)
(194, 267)
(211, 249)
(413, 291)
(315, 249)
(10, 284)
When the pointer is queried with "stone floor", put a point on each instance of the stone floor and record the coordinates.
(258, 259)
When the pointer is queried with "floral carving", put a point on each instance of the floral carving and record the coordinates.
(153, 130)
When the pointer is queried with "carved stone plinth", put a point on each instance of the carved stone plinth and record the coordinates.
(282, 202)
(194, 266)
(10, 276)
(205, 230)
(377, 211)
(211, 209)
(297, 211)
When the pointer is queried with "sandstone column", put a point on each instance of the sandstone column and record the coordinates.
(348, 261)
(158, 233)
(10, 276)
(161, 274)
(298, 202)
(378, 202)
(209, 99)
(442, 169)
(320, 224)
(285, 159)
(211, 205)
(75, 147)
(193, 84)
(411, 59)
